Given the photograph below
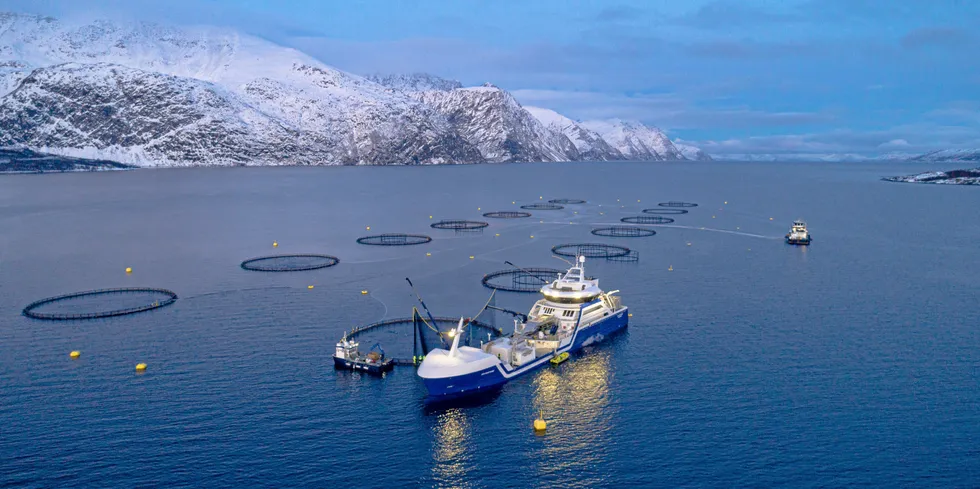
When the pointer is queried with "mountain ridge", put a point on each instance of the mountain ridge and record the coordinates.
(152, 95)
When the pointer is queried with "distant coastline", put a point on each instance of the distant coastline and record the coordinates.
(951, 177)
(21, 161)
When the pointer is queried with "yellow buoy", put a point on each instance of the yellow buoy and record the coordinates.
(726, 202)
(540, 424)
(631, 314)
(532, 236)
(363, 292)
(430, 217)
(309, 286)
(539, 198)
(368, 228)
(637, 200)
(129, 270)
(513, 202)
(712, 217)
(471, 257)
(75, 354)
(689, 244)
(670, 268)
(275, 244)
(498, 234)
(477, 208)
(140, 367)
(428, 254)
(770, 218)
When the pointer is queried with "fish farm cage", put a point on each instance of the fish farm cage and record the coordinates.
(567, 201)
(394, 239)
(423, 328)
(290, 263)
(148, 299)
(590, 250)
(460, 225)
(542, 207)
(523, 280)
(623, 232)
(647, 220)
(674, 203)
(507, 214)
(665, 211)
(632, 256)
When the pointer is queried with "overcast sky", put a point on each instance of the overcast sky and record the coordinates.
(746, 76)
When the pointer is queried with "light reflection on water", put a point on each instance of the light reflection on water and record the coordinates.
(574, 399)
(450, 451)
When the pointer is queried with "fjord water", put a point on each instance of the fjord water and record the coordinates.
(851, 362)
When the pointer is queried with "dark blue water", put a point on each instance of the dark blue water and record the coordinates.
(852, 362)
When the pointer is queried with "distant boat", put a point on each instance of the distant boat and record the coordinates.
(798, 234)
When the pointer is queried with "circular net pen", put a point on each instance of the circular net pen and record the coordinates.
(394, 239)
(623, 232)
(92, 304)
(507, 214)
(542, 207)
(675, 203)
(526, 280)
(630, 257)
(460, 225)
(590, 250)
(289, 263)
(567, 201)
(668, 212)
(647, 220)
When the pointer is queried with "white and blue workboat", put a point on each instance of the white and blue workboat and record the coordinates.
(574, 313)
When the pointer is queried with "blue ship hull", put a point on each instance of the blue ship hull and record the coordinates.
(493, 378)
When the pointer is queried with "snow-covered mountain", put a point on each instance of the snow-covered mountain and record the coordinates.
(590, 145)
(415, 82)
(795, 157)
(151, 95)
(692, 152)
(635, 141)
(950, 155)
(493, 121)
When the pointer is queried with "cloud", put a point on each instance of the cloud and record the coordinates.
(944, 37)
(913, 138)
(725, 14)
(619, 13)
(895, 144)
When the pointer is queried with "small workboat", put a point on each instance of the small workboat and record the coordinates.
(798, 234)
(561, 357)
(347, 357)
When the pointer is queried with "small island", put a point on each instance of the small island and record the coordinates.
(951, 177)
(17, 160)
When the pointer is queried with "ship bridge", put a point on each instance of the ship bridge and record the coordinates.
(573, 287)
